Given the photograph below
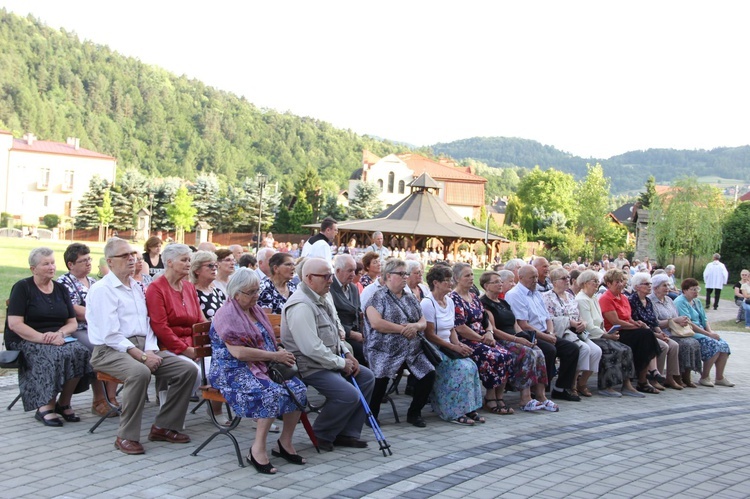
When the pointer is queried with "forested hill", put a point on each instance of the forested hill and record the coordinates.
(628, 171)
(56, 86)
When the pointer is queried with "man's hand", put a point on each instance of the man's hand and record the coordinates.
(349, 363)
(153, 361)
(355, 336)
(549, 338)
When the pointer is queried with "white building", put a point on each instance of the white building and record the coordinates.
(39, 177)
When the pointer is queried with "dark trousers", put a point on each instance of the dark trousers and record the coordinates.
(567, 352)
(708, 297)
(422, 389)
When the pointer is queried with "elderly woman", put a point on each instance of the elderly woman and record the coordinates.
(372, 266)
(173, 305)
(739, 297)
(78, 281)
(414, 284)
(274, 292)
(566, 319)
(616, 366)
(141, 274)
(642, 309)
(41, 323)
(152, 255)
(664, 309)
(714, 350)
(393, 318)
(457, 393)
(243, 344)
(358, 277)
(225, 261)
(493, 361)
(637, 335)
(203, 274)
(528, 370)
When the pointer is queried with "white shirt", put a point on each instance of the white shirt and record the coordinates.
(115, 312)
(367, 293)
(382, 251)
(715, 275)
(319, 249)
(443, 318)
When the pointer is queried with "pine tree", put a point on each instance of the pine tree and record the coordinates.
(283, 222)
(105, 211)
(164, 192)
(365, 202)
(207, 200)
(87, 216)
(302, 214)
(647, 197)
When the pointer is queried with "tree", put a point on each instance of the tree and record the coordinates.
(647, 196)
(592, 196)
(302, 214)
(548, 192)
(87, 215)
(181, 213)
(164, 191)
(283, 222)
(687, 220)
(207, 200)
(735, 249)
(51, 220)
(106, 214)
(366, 202)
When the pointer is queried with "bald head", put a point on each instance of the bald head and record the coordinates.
(542, 267)
(315, 273)
(527, 276)
(206, 246)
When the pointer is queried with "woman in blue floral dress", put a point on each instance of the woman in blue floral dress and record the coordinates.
(457, 392)
(494, 362)
(243, 343)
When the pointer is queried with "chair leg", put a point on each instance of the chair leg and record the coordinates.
(225, 431)
(197, 406)
(113, 409)
(18, 397)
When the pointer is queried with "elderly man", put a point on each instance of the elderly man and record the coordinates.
(715, 276)
(346, 300)
(206, 246)
(377, 246)
(513, 265)
(237, 251)
(543, 283)
(319, 246)
(264, 269)
(621, 260)
(528, 306)
(309, 330)
(126, 348)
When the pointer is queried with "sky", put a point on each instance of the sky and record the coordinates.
(592, 78)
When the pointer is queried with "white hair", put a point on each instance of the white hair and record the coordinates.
(241, 279)
(175, 250)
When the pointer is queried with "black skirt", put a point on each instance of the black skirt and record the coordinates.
(643, 344)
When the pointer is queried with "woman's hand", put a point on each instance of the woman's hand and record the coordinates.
(682, 321)
(284, 357)
(612, 336)
(524, 342)
(578, 326)
(462, 350)
(488, 339)
(410, 331)
(189, 352)
(57, 338)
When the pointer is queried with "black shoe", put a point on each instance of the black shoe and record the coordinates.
(654, 375)
(47, 422)
(283, 453)
(565, 395)
(325, 445)
(260, 468)
(417, 421)
(70, 418)
(343, 441)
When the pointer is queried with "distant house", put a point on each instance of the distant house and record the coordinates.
(39, 177)
(624, 214)
(460, 188)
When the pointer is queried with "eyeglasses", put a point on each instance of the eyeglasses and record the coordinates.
(566, 278)
(402, 274)
(132, 254)
(212, 266)
(250, 293)
(85, 260)
(696, 289)
(327, 277)
(494, 282)
(645, 284)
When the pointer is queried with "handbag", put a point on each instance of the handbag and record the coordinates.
(9, 359)
(680, 331)
(430, 351)
(279, 373)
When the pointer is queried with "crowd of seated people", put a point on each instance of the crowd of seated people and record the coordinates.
(368, 319)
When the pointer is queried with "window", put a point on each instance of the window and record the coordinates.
(43, 182)
(401, 186)
(380, 184)
(391, 178)
(46, 201)
(68, 208)
(68, 180)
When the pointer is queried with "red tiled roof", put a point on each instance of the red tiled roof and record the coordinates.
(419, 164)
(369, 158)
(463, 194)
(5, 132)
(47, 147)
(745, 197)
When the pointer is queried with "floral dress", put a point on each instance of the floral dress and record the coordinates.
(249, 395)
(696, 313)
(365, 280)
(77, 292)
(690, 348)
(270, 297)
(494, 363)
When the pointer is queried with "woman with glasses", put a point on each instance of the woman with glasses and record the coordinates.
(566, 319)
(664, 309)
(393, 320)
(152, 255)
(474, 330)
(78, 281)
(203, 270)
(643, 310)
(274, 292)
(243, 344)
(714, 350)
(225, 261)
(141, 273)
(528, 370)
(40, 320)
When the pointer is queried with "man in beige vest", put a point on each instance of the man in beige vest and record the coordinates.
(309, 329)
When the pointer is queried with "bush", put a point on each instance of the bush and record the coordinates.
(51, 220)
(4, 219)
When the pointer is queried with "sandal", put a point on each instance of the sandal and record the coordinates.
(266, 469)
(501, 409)
(476, 417)
(654, 375)
(550, 406)
(646, 388)
(532, 406)
(463, 420)
(584, 391)
(70, 417)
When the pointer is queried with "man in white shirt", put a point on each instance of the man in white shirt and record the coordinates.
(126, 348)
(715, 276)
(319, 246)
(264, 269)
(377, 246)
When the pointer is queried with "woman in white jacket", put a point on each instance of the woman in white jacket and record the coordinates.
(715, 276)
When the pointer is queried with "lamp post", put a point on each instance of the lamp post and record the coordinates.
(261, 179)
(151, 213)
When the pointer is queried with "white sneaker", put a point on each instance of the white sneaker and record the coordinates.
(723, 382)
(706, 382)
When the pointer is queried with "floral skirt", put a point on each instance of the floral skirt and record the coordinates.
(616, 365)
(528, 367)
(457, 390)
(690, 354)
(710, 346)
(494, 363)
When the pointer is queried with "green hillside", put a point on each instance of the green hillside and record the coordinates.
(56, 86)
(628, 171)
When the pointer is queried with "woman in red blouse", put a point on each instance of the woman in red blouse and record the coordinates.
(173, 304)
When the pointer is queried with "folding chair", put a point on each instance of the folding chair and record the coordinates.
(105, 378)
(15, 365)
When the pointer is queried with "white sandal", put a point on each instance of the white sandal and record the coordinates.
(550, 406)
(532, 405)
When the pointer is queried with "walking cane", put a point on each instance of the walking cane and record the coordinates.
(303, 417)
(384, 445)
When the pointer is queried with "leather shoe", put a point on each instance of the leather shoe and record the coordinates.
(417, 421)
(326, 445)
(565, 395)
(343, 441)
(129, 446)
(167, 435)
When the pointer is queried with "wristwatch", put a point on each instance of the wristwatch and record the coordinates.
(144, 358)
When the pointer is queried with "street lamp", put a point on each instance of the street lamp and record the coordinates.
(261, 179)
(151, 213)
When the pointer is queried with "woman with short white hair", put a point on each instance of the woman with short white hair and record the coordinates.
(414, 283)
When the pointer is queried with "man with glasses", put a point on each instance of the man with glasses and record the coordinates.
(125, 347)
(309, 330)
(346, 300)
